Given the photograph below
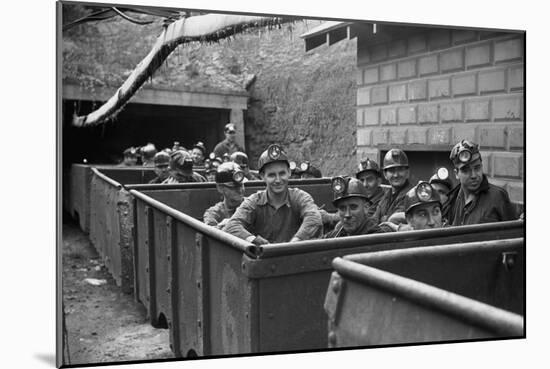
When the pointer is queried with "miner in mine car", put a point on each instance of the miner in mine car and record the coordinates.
(229, 145)
(278, 213)
(351, 200)
(229, 183)
(161, 163)
(181, 169)
(396, 171)
(371, 177)
(475, 200)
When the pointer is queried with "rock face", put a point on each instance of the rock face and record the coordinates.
(304, 101)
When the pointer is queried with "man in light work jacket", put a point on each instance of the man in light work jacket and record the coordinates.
(278, 213)
(475, 200)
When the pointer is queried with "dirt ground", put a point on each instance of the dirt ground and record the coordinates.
(103, 324)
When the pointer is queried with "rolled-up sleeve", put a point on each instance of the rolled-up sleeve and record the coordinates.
(240, 224)
(211, 216)
(312, 224)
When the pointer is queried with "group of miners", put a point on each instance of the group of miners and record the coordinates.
(284, 214)
(364, 205)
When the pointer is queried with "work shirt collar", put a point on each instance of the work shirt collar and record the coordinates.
(263, 199)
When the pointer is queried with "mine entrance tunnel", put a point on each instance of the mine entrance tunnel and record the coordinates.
(136, 125)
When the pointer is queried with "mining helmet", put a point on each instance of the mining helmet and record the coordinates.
(240, 158)
(368, 165)
(442, 176)
(200, 145)
(345, 187)
(395, 158)
(148, 151)
(464, 153)
(422, 193)
(273, 154)
(131, 151)
(230, 174)
(161, 158)
(307, 168)
(181, 160)
(230, 128)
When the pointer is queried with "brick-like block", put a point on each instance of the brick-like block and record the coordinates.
(359, 119)
(439, 88)
(477, 56)
(397, 49)
(451, 112)
(508, 50)
(398, 93)
(451, 61)
(507, 164)
(464, 132)
(379, 95)
(515, 192)
(418, 90)
(378, 52)
(515, 77)
(428, 65)
(417, 136)
(464, 84)
(371, 117)
(363, 136)
(492, 81)
(371, 75)
(363, 96)
(476, 110)
(462, 36)
(492, 136)
(406, 69)
(417, 44)
(439, 136)
(439, 38)
(486, 161)
(406, 115)
(359, 77)
(388, 116)
(428, 113)
(398, 136)
(367, 152)
(508, 108)
(388, 72)
(380, 136)
(515, 137)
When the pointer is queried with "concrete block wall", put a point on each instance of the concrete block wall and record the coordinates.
(432, 89)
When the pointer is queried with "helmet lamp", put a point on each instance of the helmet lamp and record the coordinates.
(424, 191)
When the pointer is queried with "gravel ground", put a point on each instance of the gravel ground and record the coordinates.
(103, 324)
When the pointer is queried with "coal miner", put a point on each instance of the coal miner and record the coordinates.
(147, 155)
(371, 177)
(475, 200)
(229, 145)
(351, 200)
(130, 157)
(229, 183)
(396, 171)
(162, 167)
(278, 213)
(181, 169)
(241, 159)
(198, 153)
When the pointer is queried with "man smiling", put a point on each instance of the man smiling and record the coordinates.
(475, 200)
(396, 171)
(278, 213)
(351, 200)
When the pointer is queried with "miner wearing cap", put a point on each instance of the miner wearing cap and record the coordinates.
(229, 183)
(475, 200)
(371, 177)
(130, 157)
(307, 170)
(147, 154)
(181, 169)
(162, 167)
(351, 200)
(211, 165)
(278, 213)
(241, 159)
(229, 145)
(396, 171)
(198, 153)
(441, 182)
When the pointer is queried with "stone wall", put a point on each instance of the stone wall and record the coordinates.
(429, 90)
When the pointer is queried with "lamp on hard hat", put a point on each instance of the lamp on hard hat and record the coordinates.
(346, 187)
(304, 166)
(229, 173)
(292, 165)
(422, 193)
(274, 152)
(338, 185)
(464, 152)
